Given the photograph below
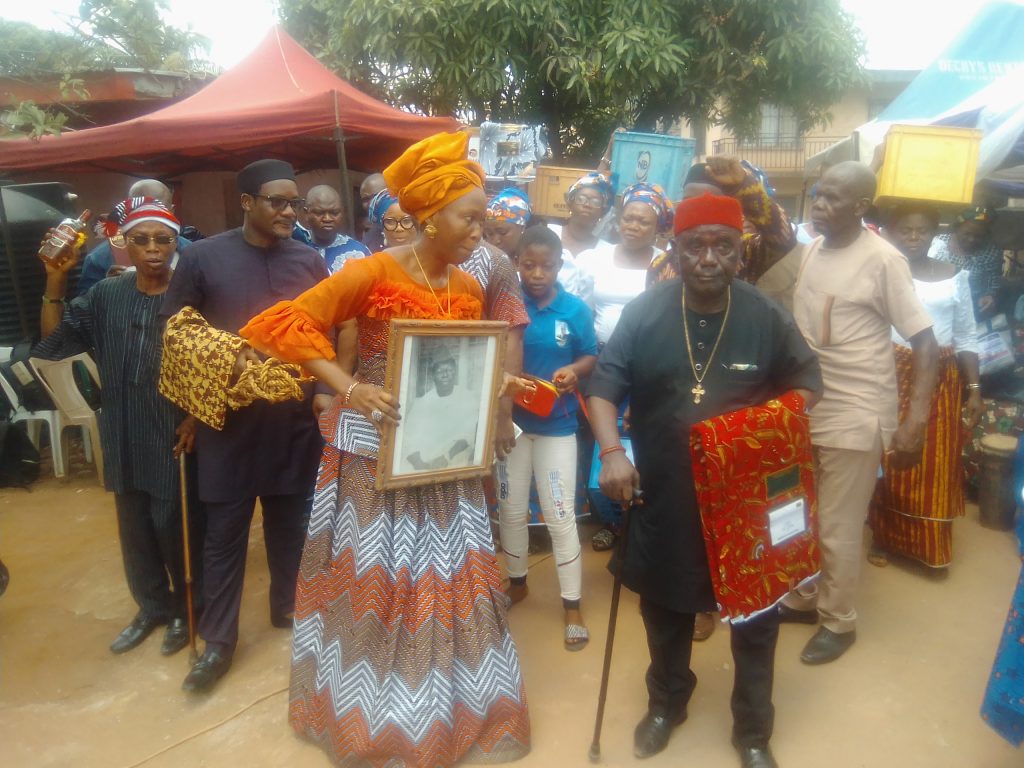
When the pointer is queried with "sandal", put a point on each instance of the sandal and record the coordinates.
(603, 540)
(576, 637)
(878, 557)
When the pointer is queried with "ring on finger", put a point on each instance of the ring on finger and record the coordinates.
(377, 414)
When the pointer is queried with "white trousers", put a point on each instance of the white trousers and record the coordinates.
(552, 461)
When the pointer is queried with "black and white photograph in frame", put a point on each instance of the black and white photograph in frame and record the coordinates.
(447, 376)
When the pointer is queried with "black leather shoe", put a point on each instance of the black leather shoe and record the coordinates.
(175, 638)
(210, 668)
(826, 646)
(756, 757)
(789, 615)
(652, 733)
(283, 620)
(142, 626)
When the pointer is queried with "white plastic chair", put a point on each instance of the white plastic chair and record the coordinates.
(34, 421)
(58, 378)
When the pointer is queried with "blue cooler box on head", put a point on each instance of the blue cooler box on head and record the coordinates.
(654, 158)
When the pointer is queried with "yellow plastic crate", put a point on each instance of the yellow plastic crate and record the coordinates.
(547, 190)
(929, 162)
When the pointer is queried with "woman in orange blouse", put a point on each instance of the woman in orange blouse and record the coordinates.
(401, 653)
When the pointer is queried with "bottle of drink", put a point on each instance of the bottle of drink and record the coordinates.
(54, 248)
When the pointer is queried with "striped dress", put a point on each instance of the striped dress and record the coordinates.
(401, 655)
(913, 509)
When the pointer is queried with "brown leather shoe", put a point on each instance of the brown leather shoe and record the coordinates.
(703, 626)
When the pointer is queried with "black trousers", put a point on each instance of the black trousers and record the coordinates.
(227, 542)
(152, 551)
(670, 681)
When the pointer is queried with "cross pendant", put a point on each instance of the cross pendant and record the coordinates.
(698, 393)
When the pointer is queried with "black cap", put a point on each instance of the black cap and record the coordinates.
(256, 174)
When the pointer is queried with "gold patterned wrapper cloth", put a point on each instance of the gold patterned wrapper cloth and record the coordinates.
(754, 474)
(196, 367)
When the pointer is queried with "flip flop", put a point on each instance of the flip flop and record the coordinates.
(576, 637)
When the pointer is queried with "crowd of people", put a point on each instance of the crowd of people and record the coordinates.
(644, 317)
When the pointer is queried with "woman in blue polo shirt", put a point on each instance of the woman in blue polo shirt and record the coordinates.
(559, 345)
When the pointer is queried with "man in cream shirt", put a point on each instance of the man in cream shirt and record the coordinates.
(852, 289)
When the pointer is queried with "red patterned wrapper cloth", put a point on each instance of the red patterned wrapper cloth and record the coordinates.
(754, 474)
(913, 509)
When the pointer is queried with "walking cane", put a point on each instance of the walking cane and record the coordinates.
(613, 614)
(193, 655)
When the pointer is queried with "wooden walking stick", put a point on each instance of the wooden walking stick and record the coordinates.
(193, 655)
(613, 614)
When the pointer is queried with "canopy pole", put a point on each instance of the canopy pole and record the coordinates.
(346, 182)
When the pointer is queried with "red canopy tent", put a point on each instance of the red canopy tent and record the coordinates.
(277, 102)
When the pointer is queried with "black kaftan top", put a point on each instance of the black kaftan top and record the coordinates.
(121, 325)
(264, 449)
(761, 355)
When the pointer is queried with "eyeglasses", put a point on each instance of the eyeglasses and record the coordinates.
(406, 222)
(147, 239)
(280, 203)
(588, 201)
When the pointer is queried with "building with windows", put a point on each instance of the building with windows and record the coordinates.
(781, 150)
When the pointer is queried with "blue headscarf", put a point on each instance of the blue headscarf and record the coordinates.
(378, 206)
(655, 197)
(510, 206)
(593, 180)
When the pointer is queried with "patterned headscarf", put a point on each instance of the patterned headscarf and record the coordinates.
(510, 206)
(136, 210)
(433, 173)
(655, 197)
(595, 181)
(378, 206)
(978, 214)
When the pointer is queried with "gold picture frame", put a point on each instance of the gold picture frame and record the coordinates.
(437, 439)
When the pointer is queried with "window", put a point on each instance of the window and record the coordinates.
(779, 128)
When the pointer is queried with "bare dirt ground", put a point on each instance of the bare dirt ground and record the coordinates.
(907, 694)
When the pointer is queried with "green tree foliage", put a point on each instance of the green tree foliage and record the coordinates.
(108, 33)
(585, 66)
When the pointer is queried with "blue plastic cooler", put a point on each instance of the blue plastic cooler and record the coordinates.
(654, 158)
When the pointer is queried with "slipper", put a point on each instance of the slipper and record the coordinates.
(603, 540)
(576, 637)
(878, 557)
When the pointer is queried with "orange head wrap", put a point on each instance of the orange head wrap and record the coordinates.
(432, 173)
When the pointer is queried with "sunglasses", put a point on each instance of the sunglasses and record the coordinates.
(280, 203)
(406, 222)
(147, 239)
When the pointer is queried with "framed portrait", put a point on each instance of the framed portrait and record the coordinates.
(446, 376)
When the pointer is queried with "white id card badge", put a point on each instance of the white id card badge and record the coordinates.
(787, 521)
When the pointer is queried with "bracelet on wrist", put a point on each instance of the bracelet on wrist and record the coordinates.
(974, 386)
(48, 300)
(348, 392)
(610, 449)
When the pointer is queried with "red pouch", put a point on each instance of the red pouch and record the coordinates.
(539, 402)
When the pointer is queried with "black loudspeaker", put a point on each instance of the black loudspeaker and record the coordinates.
(28, 211)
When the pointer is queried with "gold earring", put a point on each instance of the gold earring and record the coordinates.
(430, 230)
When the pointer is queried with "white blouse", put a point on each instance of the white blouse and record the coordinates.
(613, 286)
(952, 312)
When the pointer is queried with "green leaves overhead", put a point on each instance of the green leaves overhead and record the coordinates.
(585, 66)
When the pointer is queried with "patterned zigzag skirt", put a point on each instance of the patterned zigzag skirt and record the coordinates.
(402, 655)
